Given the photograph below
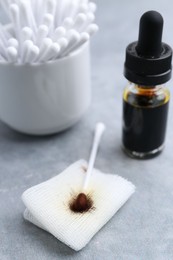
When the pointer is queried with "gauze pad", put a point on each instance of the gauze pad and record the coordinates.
(48, 204)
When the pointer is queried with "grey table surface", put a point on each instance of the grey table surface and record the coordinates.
(143, 228)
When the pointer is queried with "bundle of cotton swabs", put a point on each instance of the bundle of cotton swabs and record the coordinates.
(45, 30)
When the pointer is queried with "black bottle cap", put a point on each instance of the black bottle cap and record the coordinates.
(148, 61)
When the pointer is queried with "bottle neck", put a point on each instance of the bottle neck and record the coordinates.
(146, 89)
(153, 95)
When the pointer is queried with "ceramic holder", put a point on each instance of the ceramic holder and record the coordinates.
(42, 99)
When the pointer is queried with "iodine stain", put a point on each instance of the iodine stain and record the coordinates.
(84, 168)
(81, 203)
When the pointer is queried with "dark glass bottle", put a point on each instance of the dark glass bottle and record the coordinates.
(145, 112)
(146, 99)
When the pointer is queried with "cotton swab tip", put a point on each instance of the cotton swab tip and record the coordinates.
(14, 11)
(80, 19)
(92, 7)
(83, 8)
(43, 30)
(41, 33)
(47, 41)
(68, 23)
(92, 28)
(27, 45)
(60, 32)
(73, 34)
(48, 20)
(27, 33)
(84, 37)
(100, 127)
(14, 8)
(33, 54)
(12, 54)
(63, 42)
(55, 47)
(12, 42)
(50, 6)
(90, 17)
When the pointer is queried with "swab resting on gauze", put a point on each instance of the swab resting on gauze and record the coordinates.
(50, 204)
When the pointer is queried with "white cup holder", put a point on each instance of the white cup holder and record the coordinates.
(45, 98)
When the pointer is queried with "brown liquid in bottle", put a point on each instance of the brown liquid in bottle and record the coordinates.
(144, 120)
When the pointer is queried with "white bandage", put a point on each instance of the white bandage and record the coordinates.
(48, 204)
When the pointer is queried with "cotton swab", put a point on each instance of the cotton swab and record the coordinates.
(83, 8)
(38, 15)
(59, 32)
(82, 202)
(50, 6)
(84, 37)
(14, 11)
(3, 37)
(89, 19)
(41, 33)
(63, 43)
(87, 7)
(80, 20)
(92, 7)
(44, 47)
(3, 50)
(27, 15)
(73, 37)
(92, 28)
(12, 54)
(68, 23)
(59, 12)
(65, 9)
(51, 52)
(100, 128)
(24, 15)
(27, 33)
(32, 54)
(4, 33)
(33, 5)
(84, 1)
(26, 46)
(72, 9)
(12, 42)
(48, 20)
(29, 51)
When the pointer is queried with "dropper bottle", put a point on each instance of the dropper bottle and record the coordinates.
(146, 99)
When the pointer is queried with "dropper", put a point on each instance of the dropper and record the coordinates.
(148, 61)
